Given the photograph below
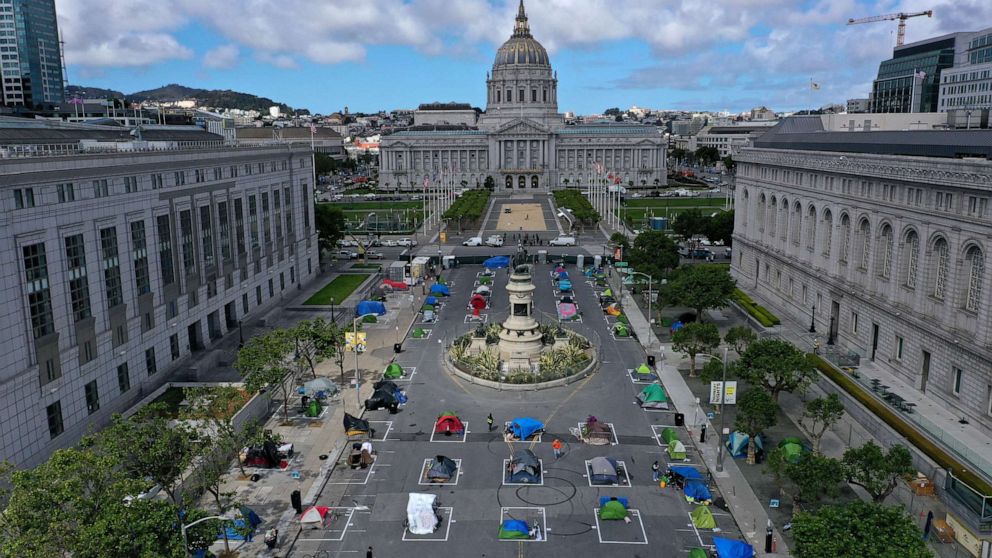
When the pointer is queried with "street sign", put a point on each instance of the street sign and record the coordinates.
(729, 393)
(444, 237)
(620, 264)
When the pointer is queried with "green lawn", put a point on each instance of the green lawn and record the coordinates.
(638, 216)
(338, 289)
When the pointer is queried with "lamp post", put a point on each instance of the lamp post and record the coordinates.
(812, 320)
(358, 399)
(723, 415)
(830, 334)
(201, 520)
(650, 282)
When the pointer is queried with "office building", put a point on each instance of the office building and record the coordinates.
(967, 86)
(910, 80)
(855, 106)
(31, 69)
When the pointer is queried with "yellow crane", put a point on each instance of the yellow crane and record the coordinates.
(901, 16)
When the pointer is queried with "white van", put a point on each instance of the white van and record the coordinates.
(495, 241)
(474, 241)
(563, 241)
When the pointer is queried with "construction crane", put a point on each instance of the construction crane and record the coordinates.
(901, 16)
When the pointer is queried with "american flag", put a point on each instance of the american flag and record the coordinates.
(313, 129)
(426, 180)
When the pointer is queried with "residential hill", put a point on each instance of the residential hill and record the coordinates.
(174, 92)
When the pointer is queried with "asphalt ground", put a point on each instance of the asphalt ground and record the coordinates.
(369, 506)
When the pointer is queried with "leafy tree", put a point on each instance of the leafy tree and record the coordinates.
(613, 111)
(490, 183)
(815, 476)
(820, 414)
(324, 164)
(695, 338)
(212, 470)
(620, 239)
(690, 223)
(653, 253)
(314, 342)
(678, 153)
(740, 337)
(777, 366)
(700, 287)
(720, 227)
(756, 411)
(712, 371)
(729, 164)
(875, 470)
(707, 155)
(329, 220)
(264, 361)
(857, 530)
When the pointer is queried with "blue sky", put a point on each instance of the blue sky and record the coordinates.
(327, 54)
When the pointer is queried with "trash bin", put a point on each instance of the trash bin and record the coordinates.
(679, 419)
(651, 361)
(297, 501)
(397, 347)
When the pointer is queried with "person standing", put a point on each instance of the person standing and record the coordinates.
(489, 421)
(655, 472)
(556, 445)
(368, 553)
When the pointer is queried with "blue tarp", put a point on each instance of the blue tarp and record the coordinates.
(440, 290)
(564, 285)
(604, 499)
(516, 525)
(697, 491)
(727, 548)
(562, 275)
(370, 307)
(522, 428)
(432, 300)
(497, 262)
(688, 473)
(237, 529)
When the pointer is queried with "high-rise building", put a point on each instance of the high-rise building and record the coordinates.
(968, 85)
(30, 54)
(910, 80)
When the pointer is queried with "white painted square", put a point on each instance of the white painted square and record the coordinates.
(482, 319)
(506, 463)
(445, 527)
(508, 437)
(382, 430)
(613, 432)
(427, 330)
(624, 475)
(633, 514)
(408, 372)
(338, 525)
(522, 513)
(358, 479)
(436, 437)
(428, 463)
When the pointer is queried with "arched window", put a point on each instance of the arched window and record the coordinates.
(911, 255)
(864, 230)
(545, 91)
(828, 227)
(773, 219)
(976, 275)
(784, 216)
(522, 182)
(811, 228)
(885, 252)
(761, 213)
(845, 238)
(939, 261)
(509, 182)
(534, 182)
(797, 217)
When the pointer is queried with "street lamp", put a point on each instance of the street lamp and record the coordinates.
(812, 320)
(201, 520)
(723, 414)
(358, 400)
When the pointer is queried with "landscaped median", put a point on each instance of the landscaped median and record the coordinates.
(579, 204)
(758, 312)
(337, 290)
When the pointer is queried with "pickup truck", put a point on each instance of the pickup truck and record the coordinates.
(474, 241)
(495, 241)
(563, 241)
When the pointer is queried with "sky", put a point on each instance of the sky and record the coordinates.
(324, 55)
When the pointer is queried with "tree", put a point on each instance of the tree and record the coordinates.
(857, 530)
(490, 183)
(620, 239)
(777, 366)
(324, 164)
(613, 111)
(740, 337)
(875, 470)
(707, 155)
(756, 411)
(329, 220)
(729, 164)
(713, 371)
(695, 338)
(654, 253)
(314, 342)
(720, 227)
(820, 414)
(815, 476)
(263, 361)
(690, 223)
(700, 287)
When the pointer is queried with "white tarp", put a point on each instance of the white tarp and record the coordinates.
(420, 513)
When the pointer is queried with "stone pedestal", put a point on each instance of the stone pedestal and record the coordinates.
(520, 340)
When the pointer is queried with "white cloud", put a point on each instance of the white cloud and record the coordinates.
(278, 60)
(221, 58)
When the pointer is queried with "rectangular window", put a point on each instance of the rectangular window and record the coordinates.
(130, 184)
(224, 228)
(123, 378)
(218, 173)
(111, 267)
(253, 221)
(854, 323)
(186, 241)
(66, 191)
(272, 290)
(266, 220)
(150, 364)
(157, 181)
(139, 257)
(38, 293)
(282, 281)
(174, 346)
(23, 197)
(239, 225)
(899, 344)
(206, 235)
(179, 178)
(79, 289)
(244, 305)
(258, 295)
(101, 188)
(956, 377)
(54, 413)
(165, 258)
(92, 397)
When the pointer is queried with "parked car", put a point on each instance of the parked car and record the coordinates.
(562, 241)
(474, 241)
(495, 241)
(347, 242)
(406, 242)
(373, 255)
(346, 255)
(390, 243)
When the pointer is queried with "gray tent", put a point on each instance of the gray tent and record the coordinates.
(524, 467)
(604, 471)
(443, 470)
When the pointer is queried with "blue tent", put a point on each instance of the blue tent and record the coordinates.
(514, 529)
(564, 285)
(497, 262)
(697, 491)
(243, 527)
(440, 290)
(432, 300)
(737, 444)
(688, 473)
(562, 275)
(370, 307)
(524, 427)
(727, 548)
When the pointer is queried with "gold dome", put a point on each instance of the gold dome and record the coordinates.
(521, 48)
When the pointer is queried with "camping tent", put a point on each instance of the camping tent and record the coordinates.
(564, 285)
(449, 423)
(440, 290)
(737, 444)
(432, 300)
(562, 275)
(596, 433)
(603, 471)
(320, 387)
(685, 473)
(613, 309)
(524, 467)
(645, 373)
(567, 311)
(355, 426)
(792, 449)
(383, 397)
(676, 450)
(243, 526)
(698, 553)
(727, 548)
(696, 491)
(653, 397)
(612, 509)
(482, 290)
(370, 307)
(514, 529)
(314, 517)
(524, 427)
(397, 285)
(421, 513)
(621, 330)
(443, 469)
(497, 262)
(702, 518)
(393, 371)
(669, 435)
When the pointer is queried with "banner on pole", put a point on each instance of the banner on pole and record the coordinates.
(353, 342)
(728, 392)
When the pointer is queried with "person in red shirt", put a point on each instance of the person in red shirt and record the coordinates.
(556, 445)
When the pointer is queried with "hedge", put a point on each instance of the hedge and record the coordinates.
(760, 313)
(897, 423)
(579, 204)
(470, 205)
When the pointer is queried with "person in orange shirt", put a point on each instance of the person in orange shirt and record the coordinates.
(556, 445)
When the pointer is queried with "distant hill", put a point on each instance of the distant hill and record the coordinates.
(175, 92)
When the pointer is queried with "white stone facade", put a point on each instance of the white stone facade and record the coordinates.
(103, 323)
(889, 249)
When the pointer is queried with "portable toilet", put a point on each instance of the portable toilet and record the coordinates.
(448, 262)
(542, 256)
(597, 261)
(658, 223)
(580, 261)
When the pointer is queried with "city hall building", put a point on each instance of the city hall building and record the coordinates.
(879, 236)
(520, 141)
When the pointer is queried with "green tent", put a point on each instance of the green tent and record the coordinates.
(698, 553)
(653, 397)
(608, 292)
(669, 435)
(676, 450)
(623, 319)
(427, 307)
(644, 369)
(621, 330)
(792, 449)
(370, 319)
(514, 530)
(419, 333)
(485, 280)
(702, 518)
(393, 371)
(612, 510)
(313, 408)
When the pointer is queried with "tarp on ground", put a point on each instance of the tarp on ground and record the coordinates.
(420, 513)
(318, 386)
(314, 516)
(370, 307)
(697, 491)
(355, 426)
(603, 470)
(653, 397)
(567, 311)
(514, 529)
(440, 290)
(737, 444)
(702, 518)
(562, 275)
(676, 450)
(524, 427)
(432, 300)
(604, 499)
(497, 262)
(687, 473)
(393, 371)
(669, 435)
(612, 510)
(396, 285)
(442, 470)
(387, 385)
(728, 548)
(614, 309)
(241, 528)
(449, 423)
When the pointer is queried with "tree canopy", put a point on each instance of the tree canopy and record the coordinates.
(690, 222)
(740, 338)
(776, 365)
(329, 220)
(695, 338)
(756, 411)
(815, 476)
(265, 361)
(654, 253)
(820, 414)
(857, 530)
(720, 227)
(700, 287)
(876, 470)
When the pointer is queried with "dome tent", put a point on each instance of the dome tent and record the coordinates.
(676, 450)
(792, 449)
(514, 529)
(314, 517)
(727, 548)
(702, 518)
(613, 509)
(449, 423)
(737, 444)
(603, 471)
(653, 397)
(370, 307)
(393, 371)
(524, 427)
(524, 467)
(443, 469)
